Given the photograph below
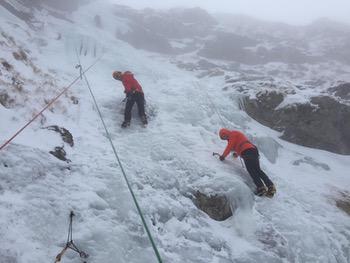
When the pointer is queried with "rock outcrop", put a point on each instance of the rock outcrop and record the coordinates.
(66, 136)
(215, 206)
(60, 154)
(323, 123)
(342, 91)
(343, 202)
(155, 31)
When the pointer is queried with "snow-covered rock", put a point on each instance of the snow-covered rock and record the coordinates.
(321, 123)
(164, 163)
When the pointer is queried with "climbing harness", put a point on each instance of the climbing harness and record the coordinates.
(70, 244)
(121, 167)
(49, 104)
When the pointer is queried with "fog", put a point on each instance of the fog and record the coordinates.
(289, 11)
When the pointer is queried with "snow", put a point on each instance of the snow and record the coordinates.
(165, 163)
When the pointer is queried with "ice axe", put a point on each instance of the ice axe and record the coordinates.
(234, 155)
(216, 154)
(78, 66)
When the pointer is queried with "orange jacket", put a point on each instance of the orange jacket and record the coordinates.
(130, 83)
(237, 142)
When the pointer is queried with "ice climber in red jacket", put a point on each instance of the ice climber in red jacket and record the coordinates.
(241, 146)
(134, 93)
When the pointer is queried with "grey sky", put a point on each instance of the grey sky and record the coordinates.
(290, 11)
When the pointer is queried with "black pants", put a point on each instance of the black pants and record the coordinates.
(251, 160)
(139, 98)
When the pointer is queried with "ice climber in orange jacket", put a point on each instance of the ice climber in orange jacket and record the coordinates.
(134, 93)
(241, 146)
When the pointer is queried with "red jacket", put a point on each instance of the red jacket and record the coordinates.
(237, 142)
(130, 83)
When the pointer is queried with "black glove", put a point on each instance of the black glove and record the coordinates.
(222, 158)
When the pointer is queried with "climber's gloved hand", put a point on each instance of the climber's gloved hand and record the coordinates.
(222, 158)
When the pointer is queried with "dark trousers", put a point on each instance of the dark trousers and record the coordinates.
(139, 98)
(251, 160)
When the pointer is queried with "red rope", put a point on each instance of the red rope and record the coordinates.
(48, 105)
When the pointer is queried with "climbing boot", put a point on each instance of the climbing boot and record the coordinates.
(125, 124)
(144, 120)
(260, 191)
(271, 190)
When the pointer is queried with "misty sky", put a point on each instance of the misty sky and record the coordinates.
(290, 11)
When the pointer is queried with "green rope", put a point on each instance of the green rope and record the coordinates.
(123, 171)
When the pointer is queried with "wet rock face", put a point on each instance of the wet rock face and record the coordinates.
(24, 9)
(5, 100)
(65, 134)
(67, 137)
(228, 46)
(342, 91)
(24, 15)
(323, 123)
(6, 65)
(6, 256)
(312, 162)
(60, 154)
(98, 21)
(216, 207)
(202, 64)
(242, 49)
(343, 202)
(21, 55)
(141, 38)
(263, 106)
(64, 5)
(155, 31)
(211, 73)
